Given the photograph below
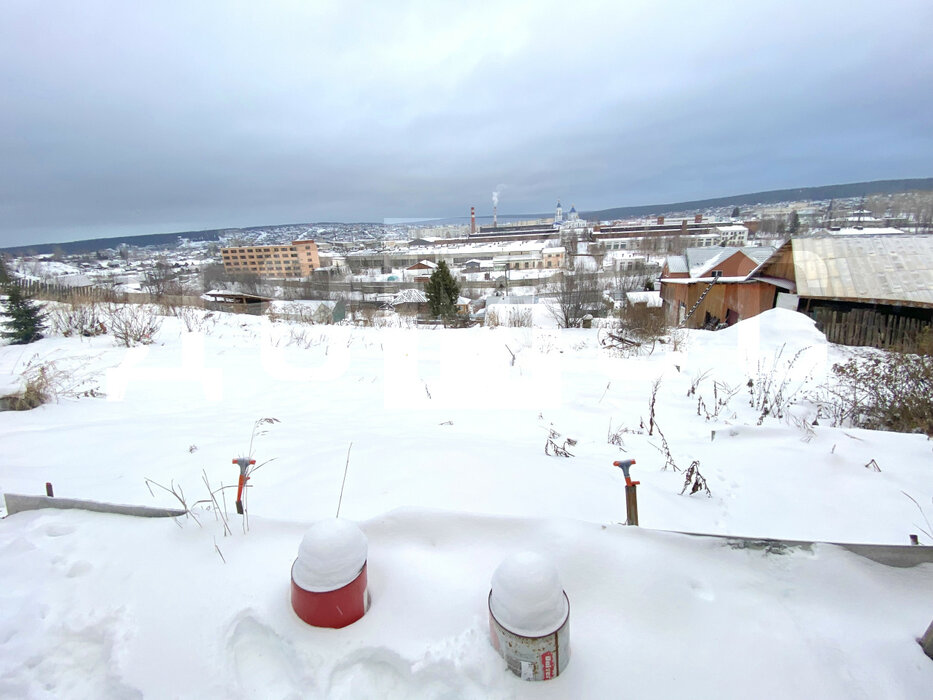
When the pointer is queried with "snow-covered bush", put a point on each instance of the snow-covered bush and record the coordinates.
(133, 324)
(642, 322)
(78, 318)
(195, 320)
(43, 381)
(36, 389)
(884, 390)
(520, 318)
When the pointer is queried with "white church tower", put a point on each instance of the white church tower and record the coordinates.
(559, 215)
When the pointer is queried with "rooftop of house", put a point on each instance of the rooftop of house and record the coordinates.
(873, 269)
(698, 261)
(409, 296)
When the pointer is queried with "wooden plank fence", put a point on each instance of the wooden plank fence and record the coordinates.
(49, 291)
(861, 327)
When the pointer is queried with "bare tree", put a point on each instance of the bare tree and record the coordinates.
(213, 276)
(159, 279)
(629, 279)
(576, 294)
(598, 251)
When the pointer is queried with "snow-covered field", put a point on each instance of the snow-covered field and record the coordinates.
(443, 436)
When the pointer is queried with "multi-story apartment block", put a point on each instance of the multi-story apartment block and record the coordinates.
(299, 259)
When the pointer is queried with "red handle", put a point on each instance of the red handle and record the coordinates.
(239, 490)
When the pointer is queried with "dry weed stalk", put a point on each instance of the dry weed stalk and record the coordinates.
(694, 481)
(929, 528)
(614, 437)
(771, 391)
(665, 449)
(651, 405)
(46, 381)
(552, 448)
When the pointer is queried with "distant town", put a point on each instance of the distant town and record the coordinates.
(670, 261)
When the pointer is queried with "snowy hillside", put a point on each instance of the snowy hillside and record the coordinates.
(443, 434)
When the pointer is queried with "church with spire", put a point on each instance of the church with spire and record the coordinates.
(573, 219)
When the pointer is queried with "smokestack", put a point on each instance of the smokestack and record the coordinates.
(494, 224)
(472, 219)
(495, 205)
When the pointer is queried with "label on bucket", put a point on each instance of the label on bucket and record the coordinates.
(547, 665)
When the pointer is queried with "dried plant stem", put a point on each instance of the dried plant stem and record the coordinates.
(346, 468)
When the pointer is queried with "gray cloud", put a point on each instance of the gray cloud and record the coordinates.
(132, 118)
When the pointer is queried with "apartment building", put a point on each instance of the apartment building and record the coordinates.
(299, 259)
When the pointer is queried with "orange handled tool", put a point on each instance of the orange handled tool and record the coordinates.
(244, 464)
(624, 465)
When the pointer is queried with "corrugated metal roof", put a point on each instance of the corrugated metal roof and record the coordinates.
(884, 268)
(676, 264)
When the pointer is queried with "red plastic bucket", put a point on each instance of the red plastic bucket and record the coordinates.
(335, 609)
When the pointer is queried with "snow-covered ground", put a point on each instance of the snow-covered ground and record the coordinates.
(444, 437)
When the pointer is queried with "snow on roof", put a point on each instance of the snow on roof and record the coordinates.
(281, 305)
(652, 299)
(676, 264)
(693, 280)
(78, 280)
(463, 300)
(865, 231)
(883, 268)
(701, 260)
(409, 296)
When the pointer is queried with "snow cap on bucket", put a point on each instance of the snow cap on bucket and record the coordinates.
(527, 597)
(330, 556)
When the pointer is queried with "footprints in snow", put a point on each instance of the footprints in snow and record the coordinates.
(57, 530)
(267, 665)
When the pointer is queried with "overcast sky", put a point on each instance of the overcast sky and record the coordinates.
(152, 116)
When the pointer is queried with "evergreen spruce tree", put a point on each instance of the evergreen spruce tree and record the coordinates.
(24, 322)
(442, 292)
